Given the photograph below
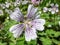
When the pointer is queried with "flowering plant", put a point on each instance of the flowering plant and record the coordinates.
(29, 22)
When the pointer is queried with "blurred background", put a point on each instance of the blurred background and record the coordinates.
(47, 9)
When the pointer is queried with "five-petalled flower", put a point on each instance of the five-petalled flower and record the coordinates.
(30, 23)
(54, 8)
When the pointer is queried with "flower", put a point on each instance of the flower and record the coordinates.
(45, 9)
(30, 23)
(54, 8)
(18, 2)
(8, 11)
(3, 6)
(7, 4)
(36, 2)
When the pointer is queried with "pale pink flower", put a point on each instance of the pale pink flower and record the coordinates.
(30, 23)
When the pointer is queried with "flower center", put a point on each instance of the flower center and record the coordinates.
(27, 22)
(54, 8)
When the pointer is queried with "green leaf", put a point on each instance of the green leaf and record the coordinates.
(46, 41)
(8, 24)
(55, 41)
(52, 33)
(32, 42)
(20, 41)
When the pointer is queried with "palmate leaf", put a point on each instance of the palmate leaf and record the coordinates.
(21, 41)
(33, 42)
(46, 41)
(55, 41)
(52, 33)
(8, 24)
(48, 37)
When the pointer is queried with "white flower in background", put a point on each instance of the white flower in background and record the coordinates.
(2, 5)
(45, 9)
(1, 12)
(18, 2)
(7, 4)
(8, 11)
(30, 23)
(54, 8)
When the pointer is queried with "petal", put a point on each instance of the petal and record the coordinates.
(29, 8)
(30, 33)
(8, 11)
(45, 9)
(17, 30)
(52, 4)
(38, 24)
(16, 35)
(16, 15)
(39, 27)
(56, 5)
(52, 12)
(38, 21)
(57, 10)
(31, 11)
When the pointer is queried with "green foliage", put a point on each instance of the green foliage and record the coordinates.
(50, 35)
(46, 41)
(8, 24)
